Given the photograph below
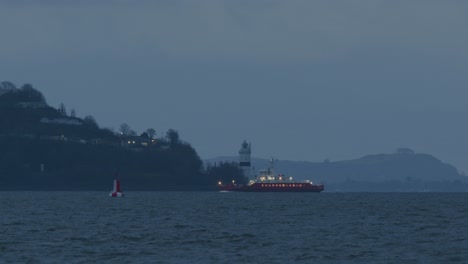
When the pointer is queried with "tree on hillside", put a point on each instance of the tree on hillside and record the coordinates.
(125, 129)
(109, 130)
(144, 135)
(225, 172)
(151, 132)
(30, 94)
(73, 113)
(90, 121)
(173, 137)
(62, 110)
(27, 94)
(7, 86)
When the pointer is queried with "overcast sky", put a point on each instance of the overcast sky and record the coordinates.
(301, 80)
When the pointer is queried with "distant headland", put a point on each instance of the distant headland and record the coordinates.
(401, 171)
(48, 148)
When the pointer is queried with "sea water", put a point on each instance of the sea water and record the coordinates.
(214, 227)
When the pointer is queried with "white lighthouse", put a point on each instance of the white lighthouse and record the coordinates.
(244, 159)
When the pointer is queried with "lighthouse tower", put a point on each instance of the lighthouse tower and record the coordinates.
(244, 159)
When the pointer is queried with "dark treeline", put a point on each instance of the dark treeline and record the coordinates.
(43, 148)
(226, 172)
(42, 164)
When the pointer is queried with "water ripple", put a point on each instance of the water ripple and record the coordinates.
(211, 227)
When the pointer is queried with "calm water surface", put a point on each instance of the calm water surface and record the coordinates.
(212, 227)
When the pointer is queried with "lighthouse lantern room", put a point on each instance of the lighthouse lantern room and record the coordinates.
(244, 158)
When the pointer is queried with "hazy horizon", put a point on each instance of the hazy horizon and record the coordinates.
(300, 80)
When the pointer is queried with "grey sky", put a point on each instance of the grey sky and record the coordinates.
(301, 80)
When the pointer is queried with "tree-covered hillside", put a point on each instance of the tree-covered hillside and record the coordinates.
(44, 148)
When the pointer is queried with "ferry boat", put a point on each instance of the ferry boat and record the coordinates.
(267, 181)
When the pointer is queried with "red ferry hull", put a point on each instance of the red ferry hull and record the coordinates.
(273, 187)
